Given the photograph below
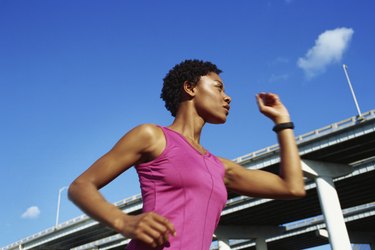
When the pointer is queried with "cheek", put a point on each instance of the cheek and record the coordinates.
(208, 101)
(210, 111)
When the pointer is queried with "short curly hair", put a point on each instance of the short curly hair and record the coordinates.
(189, 70)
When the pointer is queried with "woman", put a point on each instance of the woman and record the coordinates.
(184, 187)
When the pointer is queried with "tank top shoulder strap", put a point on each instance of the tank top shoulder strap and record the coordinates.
(173, 138)
(170, 136)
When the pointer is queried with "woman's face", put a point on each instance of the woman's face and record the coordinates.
(211, 102)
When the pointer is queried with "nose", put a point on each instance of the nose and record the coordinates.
(227, 99)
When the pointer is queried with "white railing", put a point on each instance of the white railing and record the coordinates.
(312, 135)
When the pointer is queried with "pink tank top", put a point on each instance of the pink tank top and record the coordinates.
(186, 187)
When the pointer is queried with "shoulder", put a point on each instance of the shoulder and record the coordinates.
(148, 138)
(147, 129)
(139, 138)
(146, 133)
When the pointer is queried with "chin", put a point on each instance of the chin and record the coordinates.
(217, 120)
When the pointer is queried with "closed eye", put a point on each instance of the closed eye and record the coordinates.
(219, 85)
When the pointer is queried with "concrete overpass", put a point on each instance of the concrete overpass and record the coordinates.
(343, 152)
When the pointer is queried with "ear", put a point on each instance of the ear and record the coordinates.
(189, 88)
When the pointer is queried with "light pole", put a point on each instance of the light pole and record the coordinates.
(58, 204)
(351, 89)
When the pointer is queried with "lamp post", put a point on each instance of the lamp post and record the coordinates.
(345, 67)
(58, 204)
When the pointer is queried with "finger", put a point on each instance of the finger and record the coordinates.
(263, 104)
(158, 228)
(159, 233)
(269, 99)
(259, 100)
(151, 236)
(163, 238)
(264, 97)
(166, 223)
(146, 238)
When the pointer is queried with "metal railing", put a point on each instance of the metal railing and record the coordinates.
(312, 135)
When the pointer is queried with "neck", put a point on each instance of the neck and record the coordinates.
(189, 124)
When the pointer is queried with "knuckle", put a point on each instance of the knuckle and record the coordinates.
(150, 215)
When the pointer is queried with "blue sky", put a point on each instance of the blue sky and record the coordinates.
(76, 75)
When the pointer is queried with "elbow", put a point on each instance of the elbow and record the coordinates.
(80, 189)
(297, 193)
(73, 190)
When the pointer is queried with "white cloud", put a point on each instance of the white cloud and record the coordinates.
(328, 49)
(31, 213)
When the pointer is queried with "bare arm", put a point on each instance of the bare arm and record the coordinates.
(257, 183)
(141, 144)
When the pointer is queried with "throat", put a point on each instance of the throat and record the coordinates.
(197, 146)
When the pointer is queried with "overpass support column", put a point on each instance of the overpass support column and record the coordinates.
(260, 244)
(236, 232)
(330, 204)
(322, 173)
(223, 244)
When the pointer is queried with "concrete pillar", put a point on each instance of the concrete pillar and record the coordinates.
(334, 219)
(322, 173)
(260, 244)
(259, 232)
(223, 244)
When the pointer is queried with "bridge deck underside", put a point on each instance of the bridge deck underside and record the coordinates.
(348, 151)
(310, 239)
(353, 191)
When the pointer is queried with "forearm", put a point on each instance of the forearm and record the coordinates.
(289, 183)
(290, 163)
(150, 228)
(87, 197)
